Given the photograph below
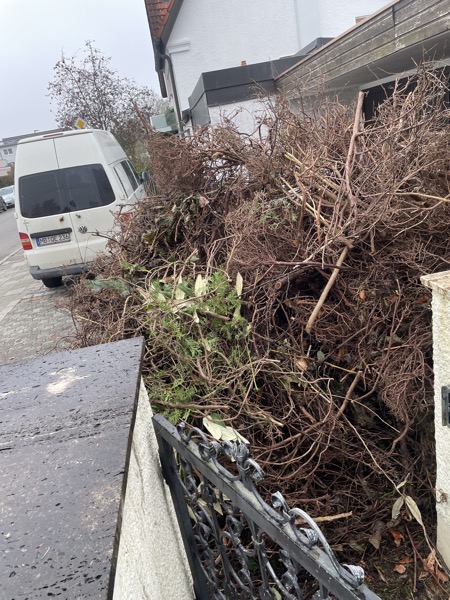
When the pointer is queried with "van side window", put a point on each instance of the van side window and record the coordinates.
(64, 190)
(124, 180)
(130, 174)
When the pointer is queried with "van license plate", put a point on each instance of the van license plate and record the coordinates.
(53, 239)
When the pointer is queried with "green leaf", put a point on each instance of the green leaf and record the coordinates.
(185, 288)
(217, 419)
(118, 285)
(320, 356)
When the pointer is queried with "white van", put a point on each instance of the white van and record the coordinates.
(70, 186)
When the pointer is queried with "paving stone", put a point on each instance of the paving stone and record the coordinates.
(31, 325)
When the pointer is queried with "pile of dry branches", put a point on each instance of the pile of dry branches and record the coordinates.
(323, 362)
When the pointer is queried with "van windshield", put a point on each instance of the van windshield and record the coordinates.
(64, 190)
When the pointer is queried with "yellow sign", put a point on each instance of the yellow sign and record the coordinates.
(80, 124)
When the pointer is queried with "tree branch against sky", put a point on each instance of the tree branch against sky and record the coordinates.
(87, 87)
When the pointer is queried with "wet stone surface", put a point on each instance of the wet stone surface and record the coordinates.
(64, 440)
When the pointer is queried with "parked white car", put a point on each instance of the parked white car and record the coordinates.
(7, 193)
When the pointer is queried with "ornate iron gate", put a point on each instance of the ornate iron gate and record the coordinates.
(237, 545)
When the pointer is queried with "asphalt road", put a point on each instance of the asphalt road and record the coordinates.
(9, 238)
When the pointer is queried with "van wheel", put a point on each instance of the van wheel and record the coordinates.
(52, 282)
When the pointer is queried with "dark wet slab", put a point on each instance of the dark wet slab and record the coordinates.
(65, 423)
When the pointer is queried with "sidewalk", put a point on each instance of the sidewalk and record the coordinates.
(30, 324)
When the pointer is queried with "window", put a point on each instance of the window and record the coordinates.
(124, 180)
(64, 190)
(10, 151)
(134, 180)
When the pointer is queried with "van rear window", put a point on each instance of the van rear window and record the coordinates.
(64, 190)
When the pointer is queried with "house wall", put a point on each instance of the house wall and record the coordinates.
(328, 18)
(8, 152)
(4, 168)
(244, 115)
(214, 35)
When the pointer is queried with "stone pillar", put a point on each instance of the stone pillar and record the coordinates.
(439, 283)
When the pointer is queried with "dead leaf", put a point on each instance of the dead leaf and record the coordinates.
(375, 540)
(179, 293)
(397, 536)
(415, 512)
(381, 574)
(400, 569)
(354, 545)
(414, 509)
(429, 562)
(402, 484)
(239, 285)
(220, 431)
(341, 353)
(397, 507)
(302, 363)
(431, 565)
(362, 295)
(200, 286)
(441, 576)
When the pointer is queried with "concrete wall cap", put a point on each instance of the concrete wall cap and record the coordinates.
(438, 282)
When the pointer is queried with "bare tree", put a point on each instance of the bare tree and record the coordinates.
(87, 87)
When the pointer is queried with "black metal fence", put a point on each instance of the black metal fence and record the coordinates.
(238, 546)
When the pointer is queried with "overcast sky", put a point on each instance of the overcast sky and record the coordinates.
(34, 32)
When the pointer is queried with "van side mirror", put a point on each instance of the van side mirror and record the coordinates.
(144, 177)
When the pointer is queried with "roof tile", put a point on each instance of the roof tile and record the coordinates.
(158, 12)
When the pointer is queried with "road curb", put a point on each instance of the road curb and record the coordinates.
(10, 256)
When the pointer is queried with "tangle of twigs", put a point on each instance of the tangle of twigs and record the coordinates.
(330, 222)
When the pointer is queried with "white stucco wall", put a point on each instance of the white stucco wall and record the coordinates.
(244, 115)
(440, 285)
(215, 34)
(328, 18)
(152, 563)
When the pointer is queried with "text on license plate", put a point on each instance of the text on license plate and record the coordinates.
(53, 239)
